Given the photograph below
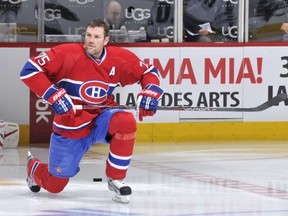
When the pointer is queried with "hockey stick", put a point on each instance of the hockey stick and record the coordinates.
(272, 102)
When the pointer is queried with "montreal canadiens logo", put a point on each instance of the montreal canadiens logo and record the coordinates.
(94, 92)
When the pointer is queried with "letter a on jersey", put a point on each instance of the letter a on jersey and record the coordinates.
(112, 72)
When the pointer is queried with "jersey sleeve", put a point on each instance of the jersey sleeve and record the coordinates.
(38, 72)
(150, 76)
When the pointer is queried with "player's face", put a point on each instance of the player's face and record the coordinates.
(95, 41)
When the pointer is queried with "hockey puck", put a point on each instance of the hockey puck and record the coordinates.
(97, 179)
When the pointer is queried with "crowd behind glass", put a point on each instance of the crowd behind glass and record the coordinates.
(145, 20)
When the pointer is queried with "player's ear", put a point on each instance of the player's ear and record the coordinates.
(106, 40)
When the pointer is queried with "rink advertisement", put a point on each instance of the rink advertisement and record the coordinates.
(41, 114)
(217, 77)
(201, 77)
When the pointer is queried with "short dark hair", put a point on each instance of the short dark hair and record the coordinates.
(98, 22)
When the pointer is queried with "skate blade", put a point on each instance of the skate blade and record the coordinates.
(121, 199)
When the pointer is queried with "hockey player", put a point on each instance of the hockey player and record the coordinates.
(79, 74)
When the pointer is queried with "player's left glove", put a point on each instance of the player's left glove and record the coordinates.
(147, 100)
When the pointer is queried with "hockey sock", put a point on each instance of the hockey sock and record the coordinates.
(122, 128)
(47, 181)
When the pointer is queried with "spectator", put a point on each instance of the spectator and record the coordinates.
(112, 13)
(208, 13)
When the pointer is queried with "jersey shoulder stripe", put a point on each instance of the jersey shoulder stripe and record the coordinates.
(30, 69)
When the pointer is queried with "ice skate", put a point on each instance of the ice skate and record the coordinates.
(32, 163)
(122, 191)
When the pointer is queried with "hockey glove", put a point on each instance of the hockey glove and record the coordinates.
(59, 100)
(147, 100)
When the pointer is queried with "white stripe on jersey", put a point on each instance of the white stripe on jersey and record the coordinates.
(71, 128)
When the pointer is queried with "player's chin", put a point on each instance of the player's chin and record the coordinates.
(90, 50)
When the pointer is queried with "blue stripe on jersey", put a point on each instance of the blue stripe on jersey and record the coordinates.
(72, 87)
(119, 162)
(152, 70)
(28, 70)
(110, 90)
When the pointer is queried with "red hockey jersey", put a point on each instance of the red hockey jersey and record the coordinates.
(87, 80)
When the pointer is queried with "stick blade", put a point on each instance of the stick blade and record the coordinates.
(277, 99)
